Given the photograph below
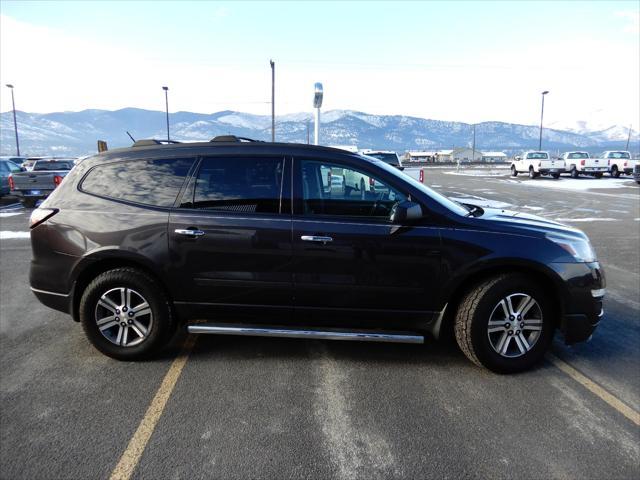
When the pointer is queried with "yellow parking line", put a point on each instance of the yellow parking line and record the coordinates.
(138, 442)
(596, 389)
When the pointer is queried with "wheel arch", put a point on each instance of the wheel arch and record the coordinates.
(92, 266)
(457, 289)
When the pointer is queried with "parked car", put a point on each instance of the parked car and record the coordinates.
(636, 173)
(537, 163)
(387, 156)
(619, 162)
(578, 163)
(37, 183)
(7, 168)
(241, 238)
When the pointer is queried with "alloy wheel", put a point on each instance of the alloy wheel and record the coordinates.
(515, 325)
(124, 317)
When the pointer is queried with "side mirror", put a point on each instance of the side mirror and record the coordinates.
(404, 212)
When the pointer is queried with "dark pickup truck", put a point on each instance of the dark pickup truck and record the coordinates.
(38, 183)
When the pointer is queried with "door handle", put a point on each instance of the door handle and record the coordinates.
(313, 238)
(189, 232)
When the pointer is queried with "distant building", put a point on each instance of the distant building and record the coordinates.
(415, 156)
(494, 157)
(443, 155)
(465, 154)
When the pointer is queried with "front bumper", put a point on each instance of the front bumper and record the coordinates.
(583, 300)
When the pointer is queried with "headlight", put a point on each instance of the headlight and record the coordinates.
(579, 249)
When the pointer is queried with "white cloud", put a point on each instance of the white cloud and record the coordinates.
(633, 21)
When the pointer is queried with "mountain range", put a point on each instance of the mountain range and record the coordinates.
(76, 133)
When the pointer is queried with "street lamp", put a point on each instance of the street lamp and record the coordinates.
(317, 103)
(15, 124)
(541, 117)
(166, 102)
(273, 100)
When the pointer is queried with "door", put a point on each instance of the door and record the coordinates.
(230, 238)
(352, 265)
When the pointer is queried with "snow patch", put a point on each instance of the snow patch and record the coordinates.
(589, 219)
(9, 214)
(477, 173)
(532, 208)
(5, 235)
(578, 185)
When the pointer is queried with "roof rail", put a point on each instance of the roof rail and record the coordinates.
(232, 138)
(152, 141)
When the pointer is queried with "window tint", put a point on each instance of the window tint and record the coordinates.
(248, 185)
(52, 165)
(329, 189)
(576, 155)
(150, 182)
(537, 156)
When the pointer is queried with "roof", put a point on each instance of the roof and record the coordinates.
(444, 152)
(494, 154)
(228, 147)
(422, 154)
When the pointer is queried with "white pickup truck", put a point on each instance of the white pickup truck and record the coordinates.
(578, 163)
(618, 161)
(537, 163)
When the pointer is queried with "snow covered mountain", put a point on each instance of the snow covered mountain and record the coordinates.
(75, 133)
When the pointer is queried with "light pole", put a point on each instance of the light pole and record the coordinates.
(166, 103)
(15, 124)
(541, 117)
(273, 100)
(317, 103)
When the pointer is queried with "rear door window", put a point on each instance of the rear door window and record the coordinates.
(240, 184)
(148, 182)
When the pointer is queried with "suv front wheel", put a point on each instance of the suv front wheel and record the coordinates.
(125, 314)
(505, 323)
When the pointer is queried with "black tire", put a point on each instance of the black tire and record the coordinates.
(555, 175)
(614, 172)
(474, 313)
(514, 172)
(574, 172)
(28, 202)
(160, 330)
(598, 175)
(532, 173)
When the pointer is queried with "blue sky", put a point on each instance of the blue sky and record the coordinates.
(468, 61)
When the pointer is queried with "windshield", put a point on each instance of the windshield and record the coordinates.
(538, 156)
(390, 158)
(619, 155)
(44, 166)
(441, 199)
(575, 155)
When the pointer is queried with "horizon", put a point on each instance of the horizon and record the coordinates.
(634, 132)
(497, 59)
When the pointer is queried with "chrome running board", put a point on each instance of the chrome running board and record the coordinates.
(253, 331)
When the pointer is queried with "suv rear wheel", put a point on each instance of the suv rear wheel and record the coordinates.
(505, 323)
(125, 314)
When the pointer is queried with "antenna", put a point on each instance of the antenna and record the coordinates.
(132, 139)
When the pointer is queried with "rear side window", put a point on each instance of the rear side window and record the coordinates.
(149, 182)
(244, 184)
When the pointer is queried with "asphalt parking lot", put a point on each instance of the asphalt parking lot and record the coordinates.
(230, 407)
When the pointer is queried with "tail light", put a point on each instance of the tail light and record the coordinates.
(57, 180)
(582, 162)
(421, 175)
(40, 215)
(12, 185)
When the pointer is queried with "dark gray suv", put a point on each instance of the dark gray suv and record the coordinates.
(252, 238)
